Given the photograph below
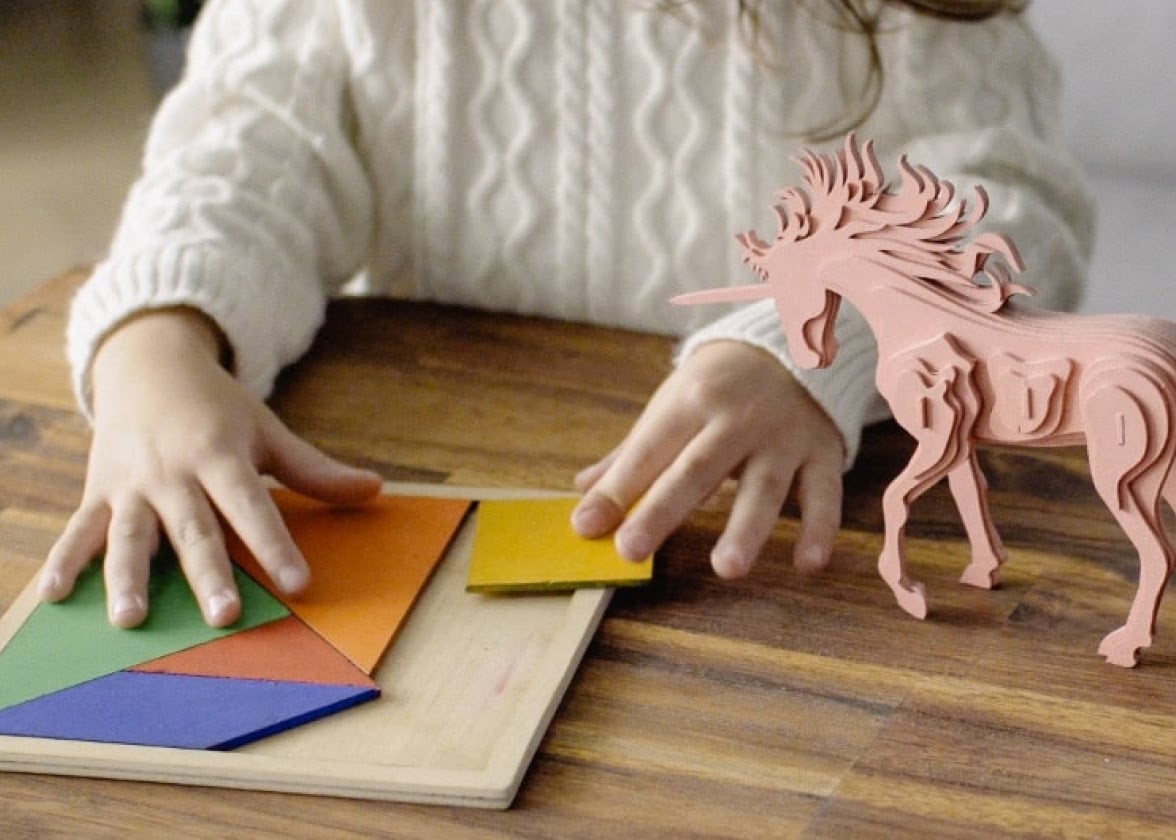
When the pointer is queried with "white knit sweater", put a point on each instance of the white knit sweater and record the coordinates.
(582, 159)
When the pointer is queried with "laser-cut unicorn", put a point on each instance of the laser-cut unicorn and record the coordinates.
(959, 365)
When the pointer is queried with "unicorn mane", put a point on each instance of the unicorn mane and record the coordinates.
(918, 227)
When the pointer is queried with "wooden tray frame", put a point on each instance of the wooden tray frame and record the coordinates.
(469, 688)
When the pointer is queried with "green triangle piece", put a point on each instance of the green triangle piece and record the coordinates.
(61, 645)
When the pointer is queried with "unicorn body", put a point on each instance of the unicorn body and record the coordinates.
(959, 365)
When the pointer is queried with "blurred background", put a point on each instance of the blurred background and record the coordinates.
(80, 78)
(1120, 118)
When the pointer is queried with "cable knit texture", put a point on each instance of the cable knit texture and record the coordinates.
(581, 159)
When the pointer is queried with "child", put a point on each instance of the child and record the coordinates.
(581, 159)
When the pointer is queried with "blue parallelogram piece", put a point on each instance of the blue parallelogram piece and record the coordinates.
(175, 710)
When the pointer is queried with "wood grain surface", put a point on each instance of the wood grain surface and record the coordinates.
(782, 705)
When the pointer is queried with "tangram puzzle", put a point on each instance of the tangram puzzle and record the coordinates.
(175, 682)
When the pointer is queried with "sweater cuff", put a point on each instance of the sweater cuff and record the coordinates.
(266, 324)
(845, 390)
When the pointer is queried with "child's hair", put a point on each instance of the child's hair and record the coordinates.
(862, 17)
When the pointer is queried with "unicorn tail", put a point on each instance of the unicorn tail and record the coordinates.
(755, 291)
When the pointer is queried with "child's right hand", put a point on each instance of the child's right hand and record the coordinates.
(178, 441)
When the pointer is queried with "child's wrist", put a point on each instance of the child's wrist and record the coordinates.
(158, 331)
(173, 333)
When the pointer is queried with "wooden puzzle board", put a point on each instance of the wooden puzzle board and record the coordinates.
(468, 689)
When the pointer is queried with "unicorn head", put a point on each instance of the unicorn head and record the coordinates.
(845, 218)
(801, 251)
(807, 310)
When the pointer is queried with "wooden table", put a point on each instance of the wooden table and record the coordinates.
(778, 706)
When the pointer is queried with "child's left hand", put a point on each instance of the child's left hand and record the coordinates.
(730, 409)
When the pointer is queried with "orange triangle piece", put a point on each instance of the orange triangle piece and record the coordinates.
(285, 650)
(368, 564)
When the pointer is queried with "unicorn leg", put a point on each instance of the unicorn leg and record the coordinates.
(920, 473)
(1130, 456)
(1142, 526)
(970, 491)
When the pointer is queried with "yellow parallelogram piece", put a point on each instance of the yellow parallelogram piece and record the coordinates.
(529, 545)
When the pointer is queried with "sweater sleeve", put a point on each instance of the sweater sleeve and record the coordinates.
(251, 202)
(991, 122)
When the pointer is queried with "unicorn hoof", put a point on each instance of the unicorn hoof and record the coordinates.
(912, 598)
(981, 576)
(1119, 649)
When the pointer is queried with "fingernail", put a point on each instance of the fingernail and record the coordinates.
(729, 562)
(634, 545)
(220, 604)
(291, 579)
(810, 557)
(127, 606)
(590, 520)
(50, 584)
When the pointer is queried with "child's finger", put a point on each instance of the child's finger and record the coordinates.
(655, 441)
(307, 470)
(588, 476)
(819, 493)
(131, 540)
(695, 473)
(79, 543)
(238, 492)
(763, 488)
(196, 536)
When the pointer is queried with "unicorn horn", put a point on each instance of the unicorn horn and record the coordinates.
(755, 291)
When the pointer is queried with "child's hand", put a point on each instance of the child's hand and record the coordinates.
(729, 409)
(177, 442)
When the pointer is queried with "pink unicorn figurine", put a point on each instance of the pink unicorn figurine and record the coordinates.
(960, 366)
